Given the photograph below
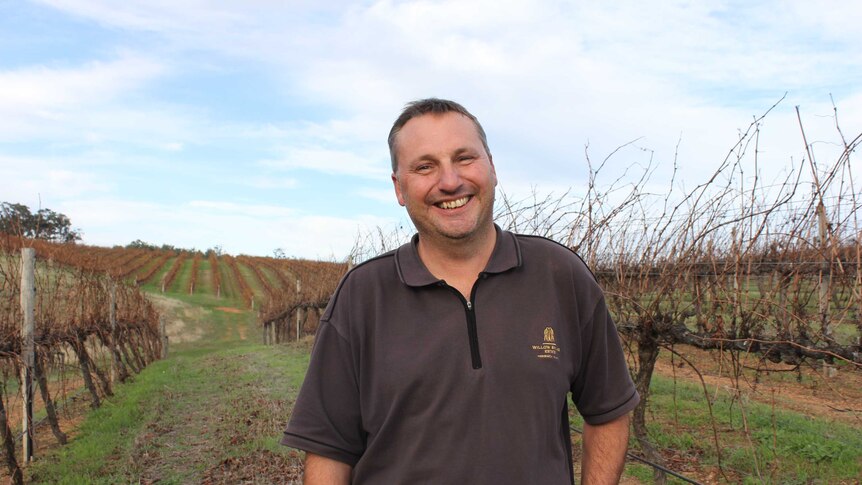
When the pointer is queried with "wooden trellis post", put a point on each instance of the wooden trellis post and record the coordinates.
(298, 310)
(28, 347)
(112, 312)
(163, 336)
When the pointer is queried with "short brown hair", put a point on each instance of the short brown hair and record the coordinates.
(421, 107)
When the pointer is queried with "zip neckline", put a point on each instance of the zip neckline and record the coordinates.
(470, 311)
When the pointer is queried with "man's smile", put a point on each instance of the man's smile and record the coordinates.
(453, 204)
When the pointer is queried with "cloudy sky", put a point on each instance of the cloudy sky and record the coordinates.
(261, 124)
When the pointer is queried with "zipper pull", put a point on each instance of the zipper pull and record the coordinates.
(469, 305)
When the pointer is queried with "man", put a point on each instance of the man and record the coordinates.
(449, 360)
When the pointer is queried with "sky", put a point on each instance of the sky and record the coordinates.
(262, 124)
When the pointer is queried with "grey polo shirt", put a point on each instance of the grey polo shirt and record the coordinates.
(410, 382)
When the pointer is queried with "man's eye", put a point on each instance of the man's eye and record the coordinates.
(423, 168)
(465, 158)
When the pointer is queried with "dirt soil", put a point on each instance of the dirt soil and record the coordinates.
(228, 309)
(833, 394)
(260, 467)
(181, 318)
(69, 416)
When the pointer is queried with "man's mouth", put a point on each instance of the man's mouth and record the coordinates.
(453, 204)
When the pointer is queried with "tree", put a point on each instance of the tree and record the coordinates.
(44, 224)
(139, 244)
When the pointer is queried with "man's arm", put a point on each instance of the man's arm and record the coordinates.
(604, 451)
(320, 470)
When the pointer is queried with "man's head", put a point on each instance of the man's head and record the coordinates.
(429, 106)
(443, 173)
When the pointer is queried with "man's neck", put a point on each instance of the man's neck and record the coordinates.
(458, 262)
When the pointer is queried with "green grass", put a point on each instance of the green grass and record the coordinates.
(154, 284)
(212, 400)
(229, 286)
(271, 277)
(786, 447)
(219, 326)
(181, 417)
(205, 280)
(182, 279)
(253, 282)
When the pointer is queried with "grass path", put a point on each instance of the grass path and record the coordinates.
(211, 413)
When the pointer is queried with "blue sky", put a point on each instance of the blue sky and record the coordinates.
(261, 125)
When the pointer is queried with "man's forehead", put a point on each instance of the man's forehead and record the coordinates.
(429, 124)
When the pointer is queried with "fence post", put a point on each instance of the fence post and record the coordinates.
(825, 266)
(112, 312)
(163, 336)
(28, 347)
(298, 310)
(825, 272)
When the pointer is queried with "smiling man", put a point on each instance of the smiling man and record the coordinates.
(449, 360)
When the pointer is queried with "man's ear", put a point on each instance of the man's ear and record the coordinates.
(493, 169)
(397, 186)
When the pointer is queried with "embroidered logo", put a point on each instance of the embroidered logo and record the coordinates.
(548, 349)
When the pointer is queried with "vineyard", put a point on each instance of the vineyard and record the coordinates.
(80, 319)
(83, 341)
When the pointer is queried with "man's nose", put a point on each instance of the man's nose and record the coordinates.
(450, 178)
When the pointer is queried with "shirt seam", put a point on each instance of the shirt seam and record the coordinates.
(618, 406)
(327, 445)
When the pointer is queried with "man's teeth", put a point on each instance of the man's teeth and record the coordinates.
(454, 204)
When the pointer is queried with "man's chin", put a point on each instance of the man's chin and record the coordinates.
(458, 234)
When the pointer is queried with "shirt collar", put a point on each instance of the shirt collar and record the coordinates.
(411, 270)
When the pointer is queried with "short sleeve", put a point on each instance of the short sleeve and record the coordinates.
(603, 389)
(326, 420)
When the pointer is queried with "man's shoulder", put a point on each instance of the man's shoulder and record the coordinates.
(550, 251)
(375, 270)
(369, 275)
(531, 244)
(373, 265)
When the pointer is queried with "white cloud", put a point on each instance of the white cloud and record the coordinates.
(272, 182)
(88, 104)
(50, 89)
(328, 161)
(27, 179)
(232, 208)
(604, 73)
(379, 195)
(159, 16)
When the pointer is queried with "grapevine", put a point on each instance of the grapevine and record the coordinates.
(171, 275)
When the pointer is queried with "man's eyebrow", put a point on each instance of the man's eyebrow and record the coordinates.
(423, 158)
(430, 157)
(462, 150)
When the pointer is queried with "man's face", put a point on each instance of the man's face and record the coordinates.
(445, 178)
